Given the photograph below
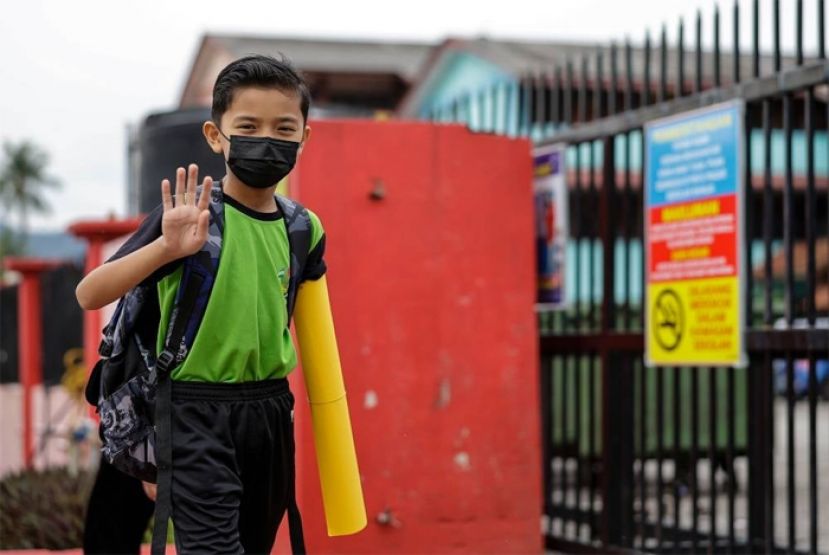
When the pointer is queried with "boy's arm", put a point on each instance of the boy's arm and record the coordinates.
(183, 232)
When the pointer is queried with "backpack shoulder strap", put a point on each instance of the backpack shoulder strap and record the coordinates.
(298, 224)
(197, 279)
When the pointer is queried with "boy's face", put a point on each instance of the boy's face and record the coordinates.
(259, 112)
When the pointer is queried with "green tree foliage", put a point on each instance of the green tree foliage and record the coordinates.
(24, 183)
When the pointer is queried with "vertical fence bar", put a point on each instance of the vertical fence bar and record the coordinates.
(555, 99)
(660, 431)
(561, 445)
(592, 197)
(578, 196)
(592, 447)
(811, 284)
(546, 385)
(577, 227)
(676, 398)
(493, 107)
(564, 448)
(506, 109)
(568, 97)
(748, 272)
(541, 81)
(790, 481)
(480, 113)
(735, 65)
(498, 109)
(525, 109)
(643, 513)
(799, 32)
(698, 54)
(555, 425)
(626, 195)
(595, 200)
(680, 60)
(694, 457)
(788, 240)
(577, 364)
(628, 98)
(813, 485)
(731, 415)
(712, 457)
(611, 98)
(776, 35)
(767, 414)
(582, 96)
(578, 233)
(768, 214)
(646, 85)
(821, 29)
(617, 389)
(663, 66)
(755, 39)
(598, 88)
(717, 79)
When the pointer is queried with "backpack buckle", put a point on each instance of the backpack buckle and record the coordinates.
(164, 361)
(105, 348)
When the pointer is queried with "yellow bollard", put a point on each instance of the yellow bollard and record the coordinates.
(342, 493)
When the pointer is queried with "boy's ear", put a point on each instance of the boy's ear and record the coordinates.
(306, 134)
(213, 137)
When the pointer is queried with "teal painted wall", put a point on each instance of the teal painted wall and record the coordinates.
(462, 74)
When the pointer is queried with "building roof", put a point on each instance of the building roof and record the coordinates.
(401, 59)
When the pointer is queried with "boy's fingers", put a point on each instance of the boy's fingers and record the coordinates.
(166, 199)
(192, 177)
(206, 189)
(179, 187)
(201, 228)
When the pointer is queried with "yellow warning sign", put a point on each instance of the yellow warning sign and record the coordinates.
(694, 322)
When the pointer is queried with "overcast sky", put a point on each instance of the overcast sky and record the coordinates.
(74, 74)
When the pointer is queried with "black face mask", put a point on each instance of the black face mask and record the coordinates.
(260, 161)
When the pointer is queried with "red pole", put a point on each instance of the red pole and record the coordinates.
(30, 340)
(28, 316)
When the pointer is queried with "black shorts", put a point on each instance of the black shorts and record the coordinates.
(233, 465)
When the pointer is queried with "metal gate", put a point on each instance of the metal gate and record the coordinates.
(684, 459)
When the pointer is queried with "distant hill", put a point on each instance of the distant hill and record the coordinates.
(55, 244)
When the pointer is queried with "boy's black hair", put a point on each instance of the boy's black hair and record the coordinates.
(257, 70)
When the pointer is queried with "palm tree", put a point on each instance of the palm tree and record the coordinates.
(23, 179)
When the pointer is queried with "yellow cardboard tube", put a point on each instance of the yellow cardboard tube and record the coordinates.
(342, 492)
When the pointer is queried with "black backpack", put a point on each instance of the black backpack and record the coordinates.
(130, 386)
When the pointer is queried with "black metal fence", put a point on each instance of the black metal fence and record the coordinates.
(694, 459)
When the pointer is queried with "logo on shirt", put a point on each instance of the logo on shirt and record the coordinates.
(284, 281)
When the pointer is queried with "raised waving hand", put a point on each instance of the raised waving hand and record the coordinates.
(185, 220)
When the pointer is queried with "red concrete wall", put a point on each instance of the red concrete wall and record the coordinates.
(432, 290)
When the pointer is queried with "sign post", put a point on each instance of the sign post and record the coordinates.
(694, 213)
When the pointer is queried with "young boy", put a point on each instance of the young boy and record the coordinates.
(232, 423)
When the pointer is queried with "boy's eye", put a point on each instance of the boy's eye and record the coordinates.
(287, 129)
(246, 126)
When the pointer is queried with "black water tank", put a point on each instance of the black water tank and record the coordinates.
(164, 142)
